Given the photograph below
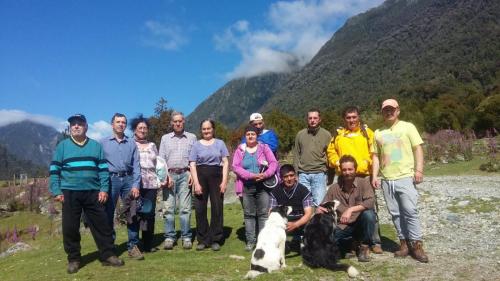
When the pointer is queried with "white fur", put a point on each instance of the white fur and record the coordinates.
(271, 240)
(352, 271)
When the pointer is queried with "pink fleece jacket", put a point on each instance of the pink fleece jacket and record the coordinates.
(264, 153)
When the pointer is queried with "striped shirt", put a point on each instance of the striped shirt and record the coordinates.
(78, 167)
(175, 149)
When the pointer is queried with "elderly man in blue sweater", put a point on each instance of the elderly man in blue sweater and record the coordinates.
(79, 179)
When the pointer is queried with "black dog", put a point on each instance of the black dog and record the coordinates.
(320, 249)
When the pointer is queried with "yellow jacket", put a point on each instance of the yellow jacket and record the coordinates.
(352, 143)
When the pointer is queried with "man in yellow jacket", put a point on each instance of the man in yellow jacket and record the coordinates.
(354, 139)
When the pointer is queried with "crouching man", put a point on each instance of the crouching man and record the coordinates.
(291, 193)
(79, 179)
(355, 212)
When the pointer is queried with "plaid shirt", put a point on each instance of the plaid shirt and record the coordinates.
(307, 202)
(175, 149)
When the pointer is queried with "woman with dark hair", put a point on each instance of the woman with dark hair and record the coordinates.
(248, 161)
(153, 174)
(209, 165)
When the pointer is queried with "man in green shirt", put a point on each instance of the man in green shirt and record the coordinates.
(79, 179)
(398, 157)
(309, 155)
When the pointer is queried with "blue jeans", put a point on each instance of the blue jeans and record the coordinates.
(179, 194)
(316, 183)
(362, 229)
(120, 187)
(401, 198)
(255, 210)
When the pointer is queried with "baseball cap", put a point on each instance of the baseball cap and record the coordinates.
(255, 117)
(77, 116)
(391, 103)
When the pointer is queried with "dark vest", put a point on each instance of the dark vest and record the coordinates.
(295, 202)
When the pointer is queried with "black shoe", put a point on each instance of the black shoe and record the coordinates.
(73, 267)
(113, 261)
(215, 246)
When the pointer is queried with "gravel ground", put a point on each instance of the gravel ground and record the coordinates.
(461, 224)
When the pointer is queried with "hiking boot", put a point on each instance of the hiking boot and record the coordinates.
(73, 267)
(215, 246)
(377, 249)
(417, 251)
(200, 247)
(364, 253)
(187, 244)
(168, 244)
(249, 247)
(113, 261)
(135, 253)
(403, 249)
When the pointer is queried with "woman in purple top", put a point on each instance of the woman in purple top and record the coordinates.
(150, 180)
(209, 165)
(248, 160)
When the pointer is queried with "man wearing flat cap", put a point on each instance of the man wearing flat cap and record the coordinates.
(79, 179)
(398, 158)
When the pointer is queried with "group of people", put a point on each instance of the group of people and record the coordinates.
(88, 177)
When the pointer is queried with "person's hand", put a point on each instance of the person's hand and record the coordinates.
(59, 198)
(102, 197)
(134, 192)
(321, 210)
(344, 219)
(260, 177)
(223, 186)
(419, 176)
(170, 182)
(198, 190)
(375, 183)
(291, 226)
(190, 179)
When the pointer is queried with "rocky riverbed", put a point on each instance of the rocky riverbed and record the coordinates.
(461, 224)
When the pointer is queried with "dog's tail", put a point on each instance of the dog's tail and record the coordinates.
(252, 274)
(351, 270)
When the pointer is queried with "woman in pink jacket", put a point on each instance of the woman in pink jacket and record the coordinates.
(248, 160)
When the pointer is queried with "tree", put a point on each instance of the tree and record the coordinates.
(159, 124)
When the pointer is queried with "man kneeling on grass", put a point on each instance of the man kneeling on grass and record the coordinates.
(356, 215)
(79, 179)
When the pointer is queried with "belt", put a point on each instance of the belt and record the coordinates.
(177, 170)
(120, 174)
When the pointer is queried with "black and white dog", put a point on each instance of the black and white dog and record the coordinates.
(269, 254)
(320, 249)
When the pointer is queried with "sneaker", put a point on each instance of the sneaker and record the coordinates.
(73, 267)
(249, 247)
(187, 244)
(215, 246)
(113, 261)
(168, 244)
(135, 253)
(200, 247)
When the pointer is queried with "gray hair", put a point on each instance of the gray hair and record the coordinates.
(175, 113)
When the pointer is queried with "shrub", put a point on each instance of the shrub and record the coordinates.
(448, 146)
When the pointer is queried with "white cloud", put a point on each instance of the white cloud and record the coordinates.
(9, 116)
(97, 130)
(163, 36)
(294, 33)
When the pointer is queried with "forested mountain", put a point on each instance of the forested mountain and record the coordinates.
(441, 57)
(10, 165)
(30, 141)
(234, 102)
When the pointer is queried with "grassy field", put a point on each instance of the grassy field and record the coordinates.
(457, 168)
(47, 261)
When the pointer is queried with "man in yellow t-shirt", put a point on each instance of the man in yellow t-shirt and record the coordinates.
(354, 139)
(398, 157)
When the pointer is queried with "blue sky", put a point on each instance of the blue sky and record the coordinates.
(101, 57)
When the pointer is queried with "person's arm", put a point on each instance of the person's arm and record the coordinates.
(375, 170)
(136, 172)
(331, 154)
(238, 168)
(346, 215)
(271, 160)
(103, 174)
(225, 173)
(296, 154)
(194, 175)
(418, 154)
(291, 226)
(55, 174)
